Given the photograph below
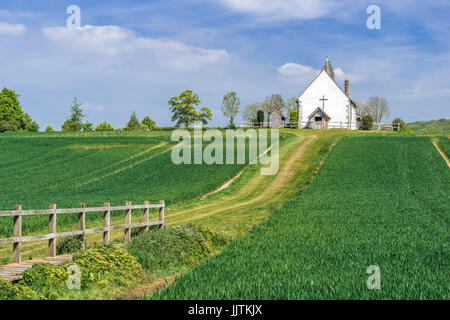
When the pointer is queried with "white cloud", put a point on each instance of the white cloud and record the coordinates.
(114, 40)
(93, 107)
(12, 29)
(283, 9)
(294, 69)
(341, 75)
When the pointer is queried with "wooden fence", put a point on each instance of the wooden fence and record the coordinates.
(52, 212)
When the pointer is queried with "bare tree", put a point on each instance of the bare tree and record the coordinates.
(378, 108)
(251, 110)
(272, 103)
(291, 103)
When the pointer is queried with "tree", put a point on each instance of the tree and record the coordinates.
(378, 108)
(49, 129)
(148, 123)
(401, 124)
(133, 123)
(184, 112)
(293, 114)
(88, 126)
(260, 117)
(366, 122)
(30, 125)
(230, 107)
(104, 126)
(11, 125)
(75, 121)
(11, 114)
(272, 103)
(250, 111)
(291, 104)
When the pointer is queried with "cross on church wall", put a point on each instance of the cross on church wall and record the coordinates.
(323, 102)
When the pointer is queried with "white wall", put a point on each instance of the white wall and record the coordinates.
(336, 106)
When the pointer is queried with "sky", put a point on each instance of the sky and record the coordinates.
(135, 55)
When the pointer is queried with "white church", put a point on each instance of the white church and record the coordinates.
(324, 105)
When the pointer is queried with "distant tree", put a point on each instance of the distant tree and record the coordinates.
(230, 107)
(49, 129)
(293, 117)
(366, 122)
(69, 125)
(75, 121)
(148, 123)
(291, 104)
(88, 126)
(104, 126)
(11, 125)
(378, 108)
(133, 123)
(12, 115)
(400, 122)
(30, 125)
(272, 103)
(184, 111)
(260, 117)
(250, 111)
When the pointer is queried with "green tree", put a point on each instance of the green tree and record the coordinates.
(260, 117)
(49, 129)
(75, 120)
(133, 123)
(148, 123)
(88, 126)
(11, 125)
(230, 107)
(104, 126)
(11, 114)
(293, 114)
(184, 112)
(366, 122)
(30, 125)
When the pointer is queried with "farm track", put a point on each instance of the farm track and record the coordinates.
(442, 153)
(262, 191)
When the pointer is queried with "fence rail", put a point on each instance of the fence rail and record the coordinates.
(52, 212)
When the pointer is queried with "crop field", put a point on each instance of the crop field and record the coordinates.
(444, 145)
(68, 169)
(377, 200)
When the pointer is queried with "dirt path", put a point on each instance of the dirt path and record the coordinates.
(442, 153)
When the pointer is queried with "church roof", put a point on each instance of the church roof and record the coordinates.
(320, 111)
(329, 69)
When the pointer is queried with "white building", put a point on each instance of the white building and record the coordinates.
(324, 105)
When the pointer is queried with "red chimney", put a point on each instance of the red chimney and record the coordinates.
(347, 93)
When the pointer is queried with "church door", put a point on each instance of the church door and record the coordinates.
(318, 122)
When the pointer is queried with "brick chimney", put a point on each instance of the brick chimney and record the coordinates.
(347, 93)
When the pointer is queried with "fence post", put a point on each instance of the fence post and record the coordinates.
(82, 223)
(161, 214)
(146, 215)
(17, 246)
(107, 220)
(128, 222)
(52, 229)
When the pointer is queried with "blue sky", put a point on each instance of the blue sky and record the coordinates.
(136, 55)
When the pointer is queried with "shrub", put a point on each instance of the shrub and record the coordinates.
(174, 247)
(400, 122)
(148, 123)
(260, 116)
(70, 125)
(69, 245)
(104, 126)
(9, 291)
(366, 122)
(293, 117)
(49, 129)
(11, 125)
(46, 279)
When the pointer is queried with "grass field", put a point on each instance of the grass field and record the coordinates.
(376, 201)
(444, 145)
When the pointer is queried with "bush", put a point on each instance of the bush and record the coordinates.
(11, 125)
(293, 114)
(401, 122)
(69, 245)
(9, 291)
(366, 122)
(160, 250)
(104, 126)
(148, 123)
(70, 125)
(45, 278)
(49, 129)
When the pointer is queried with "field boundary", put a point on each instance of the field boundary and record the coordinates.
(52, 212)
(442, 153)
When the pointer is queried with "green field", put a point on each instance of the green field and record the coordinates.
(376, 201)
(68, 169)
(444, 145)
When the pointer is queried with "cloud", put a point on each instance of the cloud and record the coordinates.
(341, 75)
(93, 107)
(283, 10)
(114, 40)
(291, 69)
(12, 29)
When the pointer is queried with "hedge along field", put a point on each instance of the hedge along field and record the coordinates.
(68, 169)
(376, 201)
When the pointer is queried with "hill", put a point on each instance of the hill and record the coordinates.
(432, 126)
